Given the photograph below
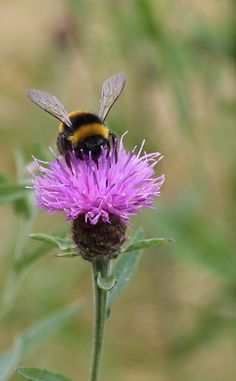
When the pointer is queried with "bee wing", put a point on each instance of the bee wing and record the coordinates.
(50, 104)
(111, 89)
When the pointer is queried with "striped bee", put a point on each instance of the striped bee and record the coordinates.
(82, 131)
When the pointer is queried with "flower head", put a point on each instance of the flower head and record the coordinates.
(118, 184)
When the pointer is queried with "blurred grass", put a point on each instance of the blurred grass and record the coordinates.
(179, 317)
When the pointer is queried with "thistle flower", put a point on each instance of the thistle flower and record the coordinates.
(98, 196)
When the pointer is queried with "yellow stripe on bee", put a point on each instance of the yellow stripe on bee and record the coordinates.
(61, 128)
(71, 114)
(84, 132)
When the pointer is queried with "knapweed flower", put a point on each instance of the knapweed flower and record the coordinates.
(98, 195)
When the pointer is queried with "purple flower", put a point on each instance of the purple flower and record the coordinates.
(98, 190)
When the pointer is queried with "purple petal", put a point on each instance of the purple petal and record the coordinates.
(119, 187)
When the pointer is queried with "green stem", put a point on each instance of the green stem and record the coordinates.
(100, 303)
(15, 278)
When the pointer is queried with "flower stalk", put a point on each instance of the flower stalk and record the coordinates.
(100, 310)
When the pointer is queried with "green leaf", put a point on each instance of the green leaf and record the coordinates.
(32, 338)
(11, 191)
(67, 255)
(23, 207)
(106, 283)
(9, 361)
(21, 166)
(63, 244)
(37, 252)
(123, 270)
(147, 243)
(35, 374)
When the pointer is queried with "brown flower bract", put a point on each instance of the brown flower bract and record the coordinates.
(99, 240)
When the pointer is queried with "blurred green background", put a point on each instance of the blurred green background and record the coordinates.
(177, 319)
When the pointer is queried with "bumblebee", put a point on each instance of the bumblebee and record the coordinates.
(82, 131)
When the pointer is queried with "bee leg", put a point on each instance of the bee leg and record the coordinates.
(114, 144)
(67, 159)
(79, 154)
(96, 162)
(108, 146)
